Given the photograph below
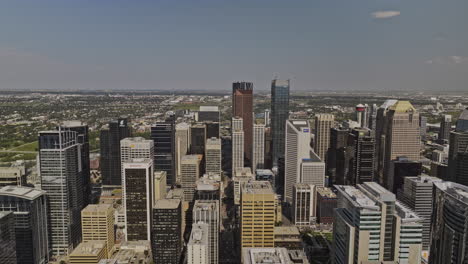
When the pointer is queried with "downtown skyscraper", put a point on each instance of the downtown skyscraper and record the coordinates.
(242, 106)
(60, 169)
(458, 151)
(110, 150)
(323, 124)
(163, 135)
(279, 115)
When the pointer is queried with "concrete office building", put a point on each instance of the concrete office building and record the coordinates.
(258, 147)
(163, 136)
(276, 255)
(312, 171)
(166, 236)
(190, 172)
(12, 176)
(29, 211)
(458, 151)
(450, 223)
(136, 148)
(257, 215)
(303, 205)
(110, 162)
(371, 225)
(208, 212)
(213, 156)
(297, 147)
(97, 222)
(159, 189)
(137, 198)
(7, 238)
(417, 193)
(209, 187)
(242, 106)
(323, 124)
(279, 115)
(182, 143)
(241, 176)
(198, 245)
(60, 169)
(91, 252)
(266, 117)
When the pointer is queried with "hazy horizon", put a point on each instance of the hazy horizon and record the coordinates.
(334, 45)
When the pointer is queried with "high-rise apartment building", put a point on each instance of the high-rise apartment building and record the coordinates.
(166, 236)
(449, 223)
(458, 151)
(258, 147)
(83, 139)
(279, 115)
(323, 124)
(7, 238)
(417, 194)
(213, 156)
(110, 150)
(207, 211)
(242, 106)
(238, 138)
(182, 141)
(60, 169)
(137, 198)
(303, 205)
(190, 172)
(402, 137)
(297, 148)
(445, 128)
(257, 214)
(29, 210)
(198, 246)
(163, 135)
(97, 222)
(371, 225)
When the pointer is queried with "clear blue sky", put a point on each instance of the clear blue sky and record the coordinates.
(207, 44)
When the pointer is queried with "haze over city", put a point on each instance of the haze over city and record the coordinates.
(205, 45)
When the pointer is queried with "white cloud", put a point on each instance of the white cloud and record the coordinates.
(385, 14)
(447, 60)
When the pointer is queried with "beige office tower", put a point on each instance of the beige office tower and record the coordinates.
(297, 148)
(323, 124)
(160, 181)
(258, 148)
(182, 144)
(402, 137)
(97, 223)
(213, 156)
(313, 170)
(206, 211)
(91, 252)
(257, 215)
(303, 205)
(190, 172)
(371, 225)
(198, 247)
(237, 138)
(137, 196)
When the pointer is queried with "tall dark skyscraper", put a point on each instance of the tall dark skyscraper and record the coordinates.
(166, 237)
(242, 106)
(30, 221)
(163, 135)
(198, 138)
(83, 139)
(110, 151)
(400, 168)
(362, 143)
(458, 151)
(336, 165)
(7, 238)
(449, 224)
(279, 115)
(60, 168)
(445, 127)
